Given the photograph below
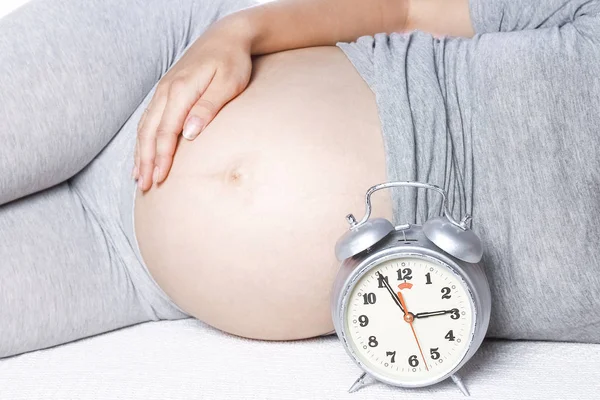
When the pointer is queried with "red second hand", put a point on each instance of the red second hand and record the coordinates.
(408, 317)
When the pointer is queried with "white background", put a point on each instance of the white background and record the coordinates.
(7, 6)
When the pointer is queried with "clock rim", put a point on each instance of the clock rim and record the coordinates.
(372, 262)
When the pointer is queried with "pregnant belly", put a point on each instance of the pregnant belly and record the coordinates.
(241, 234)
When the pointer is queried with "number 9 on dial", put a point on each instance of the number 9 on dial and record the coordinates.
(411, 304)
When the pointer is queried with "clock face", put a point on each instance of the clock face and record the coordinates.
(410, 320)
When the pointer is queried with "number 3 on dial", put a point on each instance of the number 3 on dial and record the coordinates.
(410, 319)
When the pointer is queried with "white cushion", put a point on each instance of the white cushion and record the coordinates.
(189, 360)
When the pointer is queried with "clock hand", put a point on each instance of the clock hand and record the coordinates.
(389, 289)
(434, 313)
(409, 317)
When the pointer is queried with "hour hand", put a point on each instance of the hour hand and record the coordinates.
(390, 290)
(435, 313)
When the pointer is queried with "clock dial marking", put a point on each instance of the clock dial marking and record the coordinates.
(426, 342)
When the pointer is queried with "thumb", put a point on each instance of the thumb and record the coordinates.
(218, 93)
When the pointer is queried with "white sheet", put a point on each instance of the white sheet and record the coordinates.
(189, 360)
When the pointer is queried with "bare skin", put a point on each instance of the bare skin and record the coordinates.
(241, 235)
(216, 68)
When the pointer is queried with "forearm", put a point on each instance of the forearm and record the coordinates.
(289, 24)
(440, 17)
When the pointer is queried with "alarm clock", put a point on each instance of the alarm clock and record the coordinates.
(411, 304)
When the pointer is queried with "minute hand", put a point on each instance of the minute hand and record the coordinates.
(434, 313)
(389, 289)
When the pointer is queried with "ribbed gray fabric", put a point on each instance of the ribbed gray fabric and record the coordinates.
(508, 123)
(74, 79)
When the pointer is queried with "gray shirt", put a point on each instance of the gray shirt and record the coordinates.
(507, 122)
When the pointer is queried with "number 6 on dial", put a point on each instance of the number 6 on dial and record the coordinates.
(411, 304)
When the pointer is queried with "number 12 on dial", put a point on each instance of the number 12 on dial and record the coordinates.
(410, 319)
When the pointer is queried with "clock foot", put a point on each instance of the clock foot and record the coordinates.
(360, 382)
(458, 381)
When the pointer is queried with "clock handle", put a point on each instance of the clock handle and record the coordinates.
(462, 225)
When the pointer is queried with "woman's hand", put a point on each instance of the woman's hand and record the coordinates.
(214, 70)
(217, 67)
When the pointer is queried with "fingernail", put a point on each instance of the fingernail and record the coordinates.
(192, 128)
(140, 180)
(155, 175)
(135, 172)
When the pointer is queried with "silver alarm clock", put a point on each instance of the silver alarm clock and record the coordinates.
(411, 304)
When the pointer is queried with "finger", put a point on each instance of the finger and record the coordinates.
(183, 93)
(142, 119)
(136, 154)
(136, 168)
(219, 92)
(147, 139)
(136, 160)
